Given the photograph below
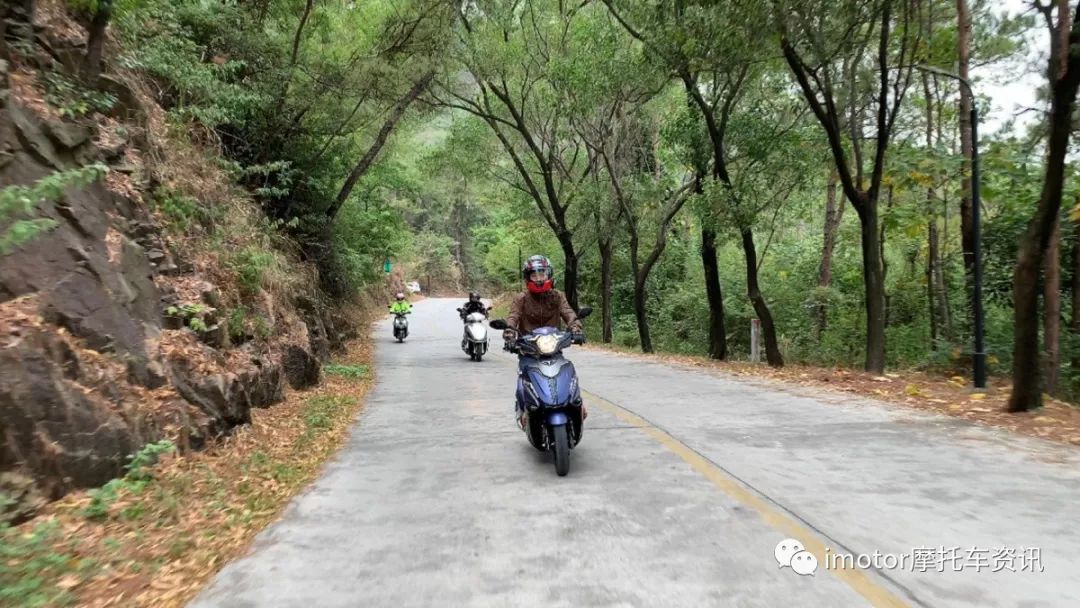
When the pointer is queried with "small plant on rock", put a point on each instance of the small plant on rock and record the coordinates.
(134, 481)
(194, 316)
(16, 202)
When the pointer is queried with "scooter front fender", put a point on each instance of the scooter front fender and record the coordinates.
(557, 419)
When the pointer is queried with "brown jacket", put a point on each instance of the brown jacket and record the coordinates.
(530, 311)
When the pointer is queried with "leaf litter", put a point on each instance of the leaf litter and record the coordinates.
(158, 545)
(1056, 421)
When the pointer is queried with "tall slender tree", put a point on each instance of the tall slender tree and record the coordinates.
(819, 64)
(1064, 75)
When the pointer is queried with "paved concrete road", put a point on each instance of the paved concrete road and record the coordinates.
(683, 485)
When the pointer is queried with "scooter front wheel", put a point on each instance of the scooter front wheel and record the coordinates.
(562, 449)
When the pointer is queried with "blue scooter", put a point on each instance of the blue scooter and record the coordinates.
(547, 389)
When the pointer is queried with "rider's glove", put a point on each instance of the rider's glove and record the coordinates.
(578, 337)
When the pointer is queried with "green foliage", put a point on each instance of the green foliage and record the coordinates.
(73, 100)
(349, 371)
(292, 123)
(236, 324)
(170, 42)
(19, 201)
(31, 564)
(318, 414)
(243, 324)
(192, 314)
(136, 479)
(446, 200)
(252, 265)
(262, 328)
(363, 238)
(140, 462)
(182, 212)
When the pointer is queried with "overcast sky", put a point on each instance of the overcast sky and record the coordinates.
(1011, 88)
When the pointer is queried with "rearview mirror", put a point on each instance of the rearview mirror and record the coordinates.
(584, 312)
(498, 324)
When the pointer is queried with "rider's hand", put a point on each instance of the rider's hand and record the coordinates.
(578, 337)
(508, 334)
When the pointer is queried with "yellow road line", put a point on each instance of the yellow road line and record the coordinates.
(858, 580)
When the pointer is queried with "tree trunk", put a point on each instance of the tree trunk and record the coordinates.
(95, 45)
(931, 220)
(1027, 388)
(932, 245)
(287, 81)
(941, 293)
(605, 289)
(963, 51)
(1052, 310)
(570, 273)
(641, 314)
(833, 214)
(459, 223)
(1027, 380)
(717, 333)
(640, 278)
(874, 278)
(768, 328)
(823, 104)
(338, 130)
(365, 163)
(300, 32)
(1075, 317)
(884, 264)
(935, 280)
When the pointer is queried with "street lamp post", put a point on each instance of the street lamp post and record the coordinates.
(979, 356)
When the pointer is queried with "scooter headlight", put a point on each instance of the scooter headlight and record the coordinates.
(546, 345)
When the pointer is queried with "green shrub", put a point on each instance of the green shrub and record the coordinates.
(134, 481)
(251, 265)
(19, 201)
(73, 100)
(349, 371)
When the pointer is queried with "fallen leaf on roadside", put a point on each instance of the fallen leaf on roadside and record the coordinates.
(69, 581)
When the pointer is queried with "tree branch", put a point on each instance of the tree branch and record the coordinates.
(366, 161)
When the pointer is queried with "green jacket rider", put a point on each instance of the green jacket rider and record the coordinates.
(401, 306)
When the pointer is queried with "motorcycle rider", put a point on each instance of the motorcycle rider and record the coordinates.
(540, 305)
(473, 305)
(400, 305)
